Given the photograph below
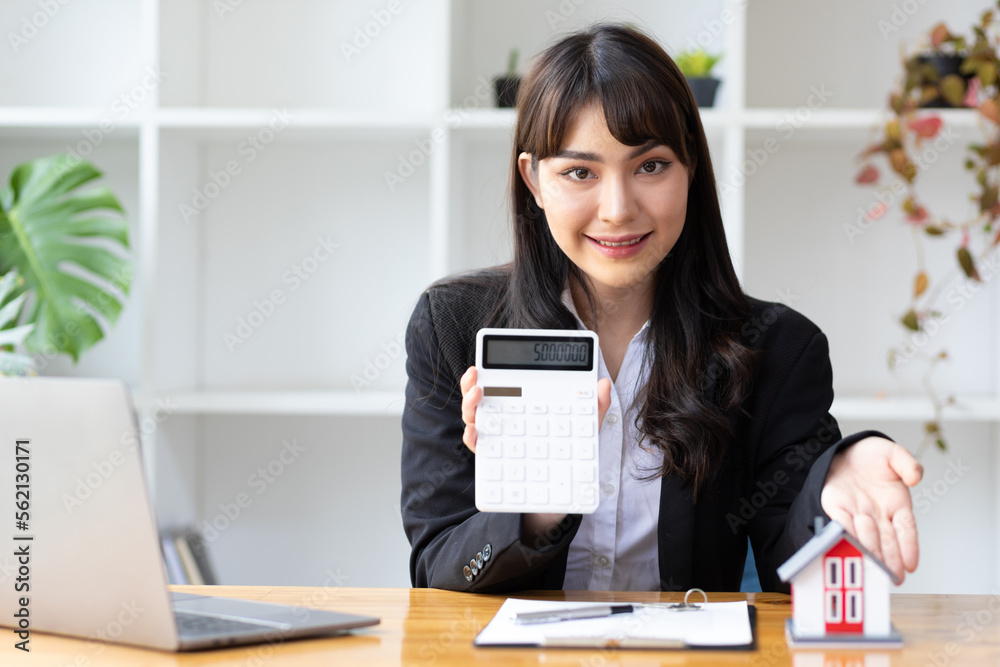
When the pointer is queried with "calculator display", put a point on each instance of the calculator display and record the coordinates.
(547, 352)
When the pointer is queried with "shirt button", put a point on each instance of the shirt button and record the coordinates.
(609, 490)
(603, 561)
(612, 419)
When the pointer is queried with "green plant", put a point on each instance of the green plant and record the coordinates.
(902, 142)
(512, 62)
(64, 248)
(10, 333)
(696, 63)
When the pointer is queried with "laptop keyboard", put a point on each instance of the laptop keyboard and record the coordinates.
(198, 625)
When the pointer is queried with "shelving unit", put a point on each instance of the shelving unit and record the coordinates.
(326, 365)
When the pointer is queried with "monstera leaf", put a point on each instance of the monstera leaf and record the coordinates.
(62, 241)
(10, 333)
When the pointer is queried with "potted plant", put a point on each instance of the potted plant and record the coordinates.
(506, 86)
(60, 252)
(903, 141)
(938, 75)
(696, 66)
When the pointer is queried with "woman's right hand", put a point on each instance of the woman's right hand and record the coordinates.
(472, 394)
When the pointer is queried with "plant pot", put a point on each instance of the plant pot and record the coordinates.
(944, 64)
(506, 88)
(704, 89)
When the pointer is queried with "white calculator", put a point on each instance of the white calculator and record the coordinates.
(537, 431)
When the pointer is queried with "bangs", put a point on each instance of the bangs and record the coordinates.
(638, 97)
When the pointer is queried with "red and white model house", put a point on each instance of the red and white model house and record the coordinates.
(840, 593)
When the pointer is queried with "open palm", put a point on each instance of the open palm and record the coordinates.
(867, 491)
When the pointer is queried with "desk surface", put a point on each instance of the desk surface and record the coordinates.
(432, 628)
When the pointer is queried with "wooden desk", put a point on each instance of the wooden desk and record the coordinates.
(431, 628)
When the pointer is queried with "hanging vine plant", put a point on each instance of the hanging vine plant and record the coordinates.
(954, 72)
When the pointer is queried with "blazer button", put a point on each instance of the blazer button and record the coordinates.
(479, 560)
(474, 567)
(468, 573)
(487, 552)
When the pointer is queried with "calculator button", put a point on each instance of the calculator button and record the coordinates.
(561, 485)
(538, 495)
(539, 409)
(493, 471)
(585, 393)
(493, 493)
(583, 428)
(538, 472)
(583, 409)
(560, 428)
(514, 472)
(513, 426)
(490, 406)
(538, 449)
(489, 447)
(585, 495)
(560, 450)
(514, 495)
(538, 427)
(489, 425)
(585, 473)
(584, 450)
(515, 407)
(514, 449)
(561, 409)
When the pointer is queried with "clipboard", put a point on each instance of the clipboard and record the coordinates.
(714, 626)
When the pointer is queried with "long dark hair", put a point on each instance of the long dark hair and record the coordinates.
(699, 308)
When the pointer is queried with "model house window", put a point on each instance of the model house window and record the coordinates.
(852, 572)
(833, 565)
(852, 606)
(834, 607)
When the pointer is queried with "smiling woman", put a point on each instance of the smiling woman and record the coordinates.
(617, 229)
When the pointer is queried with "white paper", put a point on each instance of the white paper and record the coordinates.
(714, 624)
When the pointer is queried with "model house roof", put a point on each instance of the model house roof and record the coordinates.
(819, 545)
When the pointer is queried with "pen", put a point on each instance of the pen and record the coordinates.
(553, 615)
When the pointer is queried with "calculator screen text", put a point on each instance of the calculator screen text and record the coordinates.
(527, 353)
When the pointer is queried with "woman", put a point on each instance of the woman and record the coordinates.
(713, 405)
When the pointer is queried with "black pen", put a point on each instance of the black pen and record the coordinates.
(553, 615)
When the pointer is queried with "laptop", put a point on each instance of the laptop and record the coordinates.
(81, 552)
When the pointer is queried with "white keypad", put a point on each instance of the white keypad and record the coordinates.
(545, 461)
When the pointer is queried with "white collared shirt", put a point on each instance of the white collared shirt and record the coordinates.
(616, 546)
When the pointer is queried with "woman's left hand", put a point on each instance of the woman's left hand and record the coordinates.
(867, 492)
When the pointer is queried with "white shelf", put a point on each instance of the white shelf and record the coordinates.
(979, 409)
(312, 118)
(276, 403)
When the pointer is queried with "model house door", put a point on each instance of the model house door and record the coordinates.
(843, 589)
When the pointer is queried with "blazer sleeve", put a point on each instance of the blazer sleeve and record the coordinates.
(446, 531)
(797, 445)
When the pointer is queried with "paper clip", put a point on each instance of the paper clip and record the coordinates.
(689, 606)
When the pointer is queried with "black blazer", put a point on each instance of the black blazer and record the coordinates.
(768, 488)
